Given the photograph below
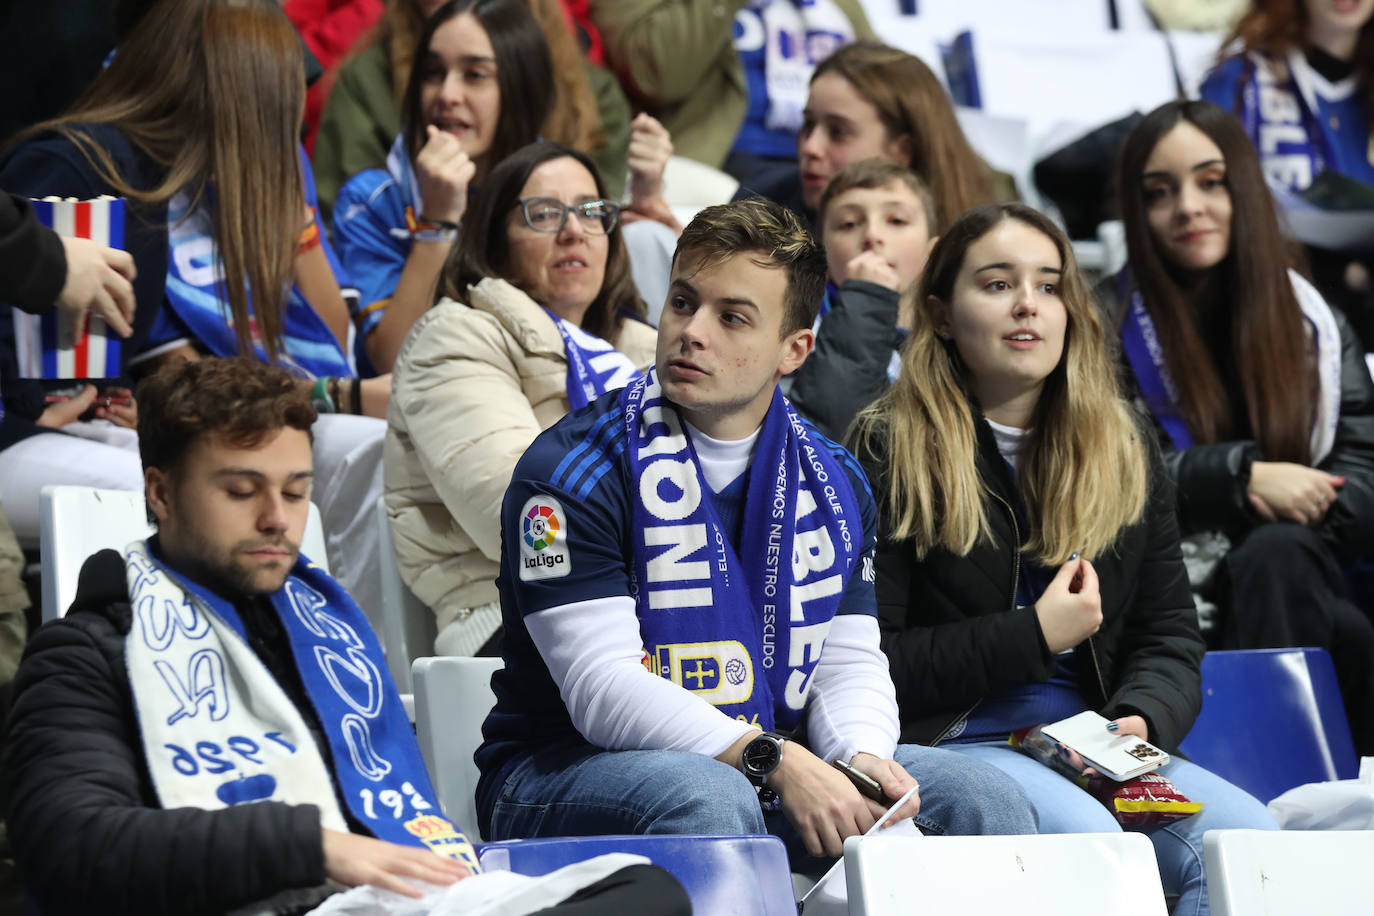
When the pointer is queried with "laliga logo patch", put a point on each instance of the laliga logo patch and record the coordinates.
(541, 527)
(543, 540)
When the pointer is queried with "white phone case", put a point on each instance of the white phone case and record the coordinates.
(1121, 757)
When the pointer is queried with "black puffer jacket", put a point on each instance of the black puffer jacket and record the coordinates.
(953, 636)
(85, 824)
(848, 369)
(1212, 479)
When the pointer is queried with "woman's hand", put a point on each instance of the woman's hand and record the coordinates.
(1070, 610)
(650, 147)
(444, 172)
(120, 414)
(1130, 725)
(100, 280)
(1293, 492)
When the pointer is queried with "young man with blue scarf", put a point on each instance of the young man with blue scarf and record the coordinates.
(212, 726)
(687, 592)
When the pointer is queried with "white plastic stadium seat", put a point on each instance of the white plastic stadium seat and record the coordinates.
(407, 628)
(452, 698)
(1288, 872)
(75, 522)
(1105, 874)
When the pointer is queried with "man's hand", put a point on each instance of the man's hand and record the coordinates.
(1295, 492)
(1070, 610)
(443, 172)
(352, 860)
(896, 782)
(820, 801)
(100, 280)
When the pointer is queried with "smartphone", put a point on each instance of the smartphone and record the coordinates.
(867, 785)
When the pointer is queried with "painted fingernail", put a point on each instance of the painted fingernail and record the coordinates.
(1112, 726)
(1073, 556)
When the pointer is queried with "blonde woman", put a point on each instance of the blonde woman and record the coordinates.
(1030, 569)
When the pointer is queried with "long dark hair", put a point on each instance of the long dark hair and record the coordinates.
(524, 74)
(1267, 339)
(211, 91)
(483, 248)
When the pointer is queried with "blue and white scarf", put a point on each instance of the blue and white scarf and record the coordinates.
(218, 730)
(594, 366)
(743, 631)
(797, 35)
(1281, 121)
(1145, 353)
(194, 293)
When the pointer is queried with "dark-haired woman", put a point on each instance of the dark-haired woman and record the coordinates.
(1028, 565)
(540, 316)
(1259, 391)
(480, 88)
(195, 122)
(1300, 76)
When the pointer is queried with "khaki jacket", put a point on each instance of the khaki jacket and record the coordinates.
(472, 387)
(676, 60)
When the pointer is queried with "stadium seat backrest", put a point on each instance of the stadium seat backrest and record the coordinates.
(1105, 874)
(407, 627)
(1288, 872)
(1271, 719)
(724, 875)
(452, 699)
(75, 522)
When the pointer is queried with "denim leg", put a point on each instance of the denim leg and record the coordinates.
(1178, 846)
(1060, 805)
(963, 797)
(1064, 808)
(583, 791)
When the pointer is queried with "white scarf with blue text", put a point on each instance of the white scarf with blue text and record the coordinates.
(218, 730)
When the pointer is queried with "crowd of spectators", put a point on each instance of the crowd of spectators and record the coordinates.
(444, 229)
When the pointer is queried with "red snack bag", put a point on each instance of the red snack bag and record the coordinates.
(1146, 801)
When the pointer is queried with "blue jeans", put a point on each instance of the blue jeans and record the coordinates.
(1065, 808)
(581, 790)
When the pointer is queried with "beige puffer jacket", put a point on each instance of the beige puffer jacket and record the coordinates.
(472, 387)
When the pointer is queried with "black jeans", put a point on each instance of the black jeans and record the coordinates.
(639, 889)
(1282, 586)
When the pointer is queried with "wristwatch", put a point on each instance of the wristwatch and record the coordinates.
(761, 757)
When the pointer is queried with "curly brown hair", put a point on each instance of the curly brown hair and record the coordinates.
(238, 401)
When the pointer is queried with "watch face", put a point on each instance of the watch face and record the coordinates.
(762, 756)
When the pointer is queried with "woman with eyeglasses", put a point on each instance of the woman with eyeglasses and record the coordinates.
(539, 316)
(481, 87)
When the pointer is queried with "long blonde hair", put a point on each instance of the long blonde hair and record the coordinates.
(1083, 474)
(212, 91)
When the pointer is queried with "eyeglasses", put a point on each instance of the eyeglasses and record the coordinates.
(549, 214)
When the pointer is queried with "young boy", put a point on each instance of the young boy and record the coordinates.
(875, 218)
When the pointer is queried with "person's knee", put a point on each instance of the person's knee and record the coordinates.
(966, 796)
(707, 797)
